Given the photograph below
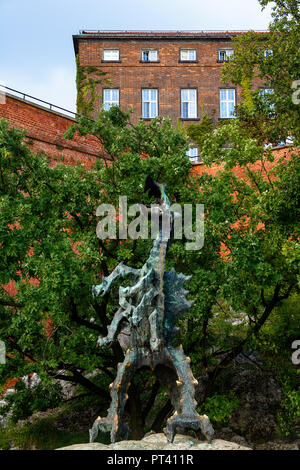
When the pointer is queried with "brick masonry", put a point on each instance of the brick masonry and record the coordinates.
(278, 153)
(45, 129)
(168, 75)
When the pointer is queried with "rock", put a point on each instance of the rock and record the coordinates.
(31, 380)
(3, 419)
(91, 446)
(227, 434)
(259, 396)
(2, 422)
(249, 357)
(158, 441)
(278, 444)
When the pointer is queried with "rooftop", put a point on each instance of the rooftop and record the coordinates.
(157, 34)
(37, 102)
(163, 32)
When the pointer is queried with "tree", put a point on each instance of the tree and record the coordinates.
(273, 57)
(51, 252)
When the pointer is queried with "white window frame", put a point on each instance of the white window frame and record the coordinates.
(227, 101)
(149, 101)
(227, 56)
(191, 101)
(189, 52)
(193, 154)
(109, 102)
(108, 55)
(267, 91)
(150, 52)
(268, 53)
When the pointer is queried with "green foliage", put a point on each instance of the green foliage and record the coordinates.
(87, 79)
(280, 331)
(289, 417)
(282, 8)
(27, 401)
(246, 93)
(42, 434)
(48, 234)
(198, 133)
(277, 70)
(51, 253)
(219, 408)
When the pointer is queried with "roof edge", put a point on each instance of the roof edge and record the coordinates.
(159, 35)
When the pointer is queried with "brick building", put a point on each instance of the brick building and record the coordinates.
(45, 125)
(175, 74)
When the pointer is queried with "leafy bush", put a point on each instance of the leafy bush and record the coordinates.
(289, 417)
(42, 435)
(219, 408)
(27, 401)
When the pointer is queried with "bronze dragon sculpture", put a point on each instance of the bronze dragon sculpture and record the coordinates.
(151, 305)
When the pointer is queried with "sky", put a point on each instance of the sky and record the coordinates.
(36, 47)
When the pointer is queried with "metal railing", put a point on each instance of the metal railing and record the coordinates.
(34, 100)
(87, 31)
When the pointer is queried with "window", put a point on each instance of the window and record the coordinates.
(267, 100)
(268, 53)
(225, 54)
(266, 91)
(188, 54)
(188, 103)
(110, 98)
(149, 56)
(227, 103)
(112, 55)
(149, 103)
(192, 153)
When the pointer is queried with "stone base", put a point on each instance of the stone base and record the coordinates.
(159, 442)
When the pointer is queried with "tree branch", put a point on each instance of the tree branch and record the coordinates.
(78, 378)
(80, 321)
(10, 303)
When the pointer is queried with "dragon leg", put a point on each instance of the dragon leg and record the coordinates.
(119, 272)
(114, 328)
(113, 422)
(186, 416)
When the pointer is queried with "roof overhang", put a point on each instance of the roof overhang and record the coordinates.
(156, 35)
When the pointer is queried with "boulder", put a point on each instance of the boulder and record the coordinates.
(259, 395)
(158, 441)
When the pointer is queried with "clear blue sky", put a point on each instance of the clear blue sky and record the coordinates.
(36, 48)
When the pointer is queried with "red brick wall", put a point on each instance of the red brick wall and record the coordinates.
(278, 153)
(168, 75)
(45, 131)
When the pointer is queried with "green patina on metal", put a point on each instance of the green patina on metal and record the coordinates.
(151, 305)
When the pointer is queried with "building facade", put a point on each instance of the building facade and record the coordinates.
(176, 74)
(166, 74)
